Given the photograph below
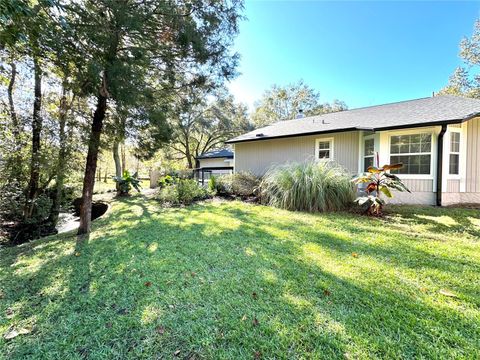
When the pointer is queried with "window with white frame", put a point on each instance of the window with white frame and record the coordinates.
(454, 160)
(324, 149)
(368, 153)
(414, 151)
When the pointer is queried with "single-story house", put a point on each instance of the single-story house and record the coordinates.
(216, 162)
(437, 139)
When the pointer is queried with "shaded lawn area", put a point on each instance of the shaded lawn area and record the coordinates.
(232, 280)
(103, 187)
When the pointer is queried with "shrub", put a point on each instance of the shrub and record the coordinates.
(310, 186)
(212, 184)
(69, 194)
(240, 184)
(166, 181)
(378, 181)
(12, 202)
(185, 192)
(126, 182)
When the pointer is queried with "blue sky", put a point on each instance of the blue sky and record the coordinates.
(364, 53)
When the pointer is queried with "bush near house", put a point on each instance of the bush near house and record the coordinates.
(183, 192)
(310, 186)
(166, 180)
(243, 184)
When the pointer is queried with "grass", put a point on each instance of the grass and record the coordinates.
(103, 187)
(232, 280)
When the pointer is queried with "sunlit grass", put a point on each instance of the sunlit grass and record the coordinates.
(231, 280)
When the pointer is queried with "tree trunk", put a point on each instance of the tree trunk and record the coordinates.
(118, 165)
(13, 113)
(91, 166)
(32, 190)
(188, 153)
(61, 161)
(124, 159)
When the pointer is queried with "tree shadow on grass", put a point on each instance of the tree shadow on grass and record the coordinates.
(223, 281)
(440, 220)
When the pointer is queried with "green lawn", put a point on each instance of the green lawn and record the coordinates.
(232, 280)
(103, 187)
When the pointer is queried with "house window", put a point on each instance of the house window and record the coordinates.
(454, 153)
(414, 151)
(324, 149)
(368, 153)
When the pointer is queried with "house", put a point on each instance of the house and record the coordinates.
(215, 162)
(437, 139)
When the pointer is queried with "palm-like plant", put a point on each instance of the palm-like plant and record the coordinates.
(379, 181)
(126, 182)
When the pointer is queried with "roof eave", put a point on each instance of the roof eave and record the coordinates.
(214, 157)
(360, 128)
(233, 141)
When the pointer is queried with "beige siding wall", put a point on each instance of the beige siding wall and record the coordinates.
(473, 156)
(419, 185)
(414, 198)
(453, 186)
(258, 156)
(215, 162)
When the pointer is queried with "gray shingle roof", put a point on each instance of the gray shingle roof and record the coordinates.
(412, 113)
(223, 153)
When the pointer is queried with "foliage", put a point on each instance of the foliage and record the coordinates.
(465, 80)
(69, 193)
(183, 192)
(113, 69)
(12, 201)
(166, 180)
(283, 103)
(212, 184)
(181, 173)
(378, 181)
(219, 266)
(201, 125)
(309, 186)
(242, 184)
(126, 182)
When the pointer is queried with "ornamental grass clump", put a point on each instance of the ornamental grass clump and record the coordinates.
(313, 186)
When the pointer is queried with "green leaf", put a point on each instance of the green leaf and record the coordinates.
(386, 191)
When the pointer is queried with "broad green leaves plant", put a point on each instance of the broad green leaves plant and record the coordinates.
(379, 181)
(126, 182)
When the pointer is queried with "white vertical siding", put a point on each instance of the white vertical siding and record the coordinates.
(215, 162)
(453, 185)
(473, 156)
(419, 185)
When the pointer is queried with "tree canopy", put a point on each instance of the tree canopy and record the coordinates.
(98, 71)
(465, 80)
(284, 102)
(201, 124)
